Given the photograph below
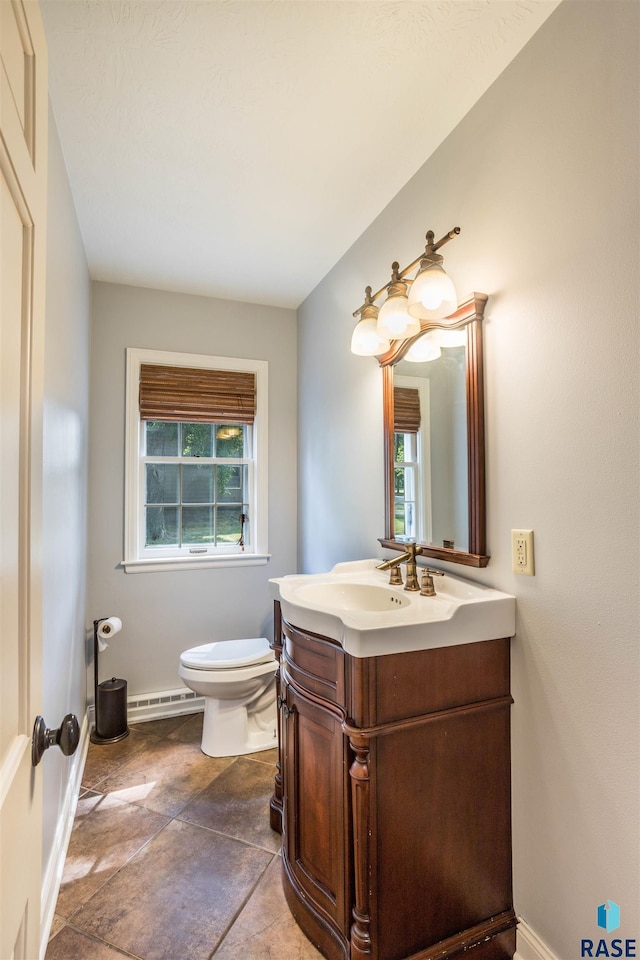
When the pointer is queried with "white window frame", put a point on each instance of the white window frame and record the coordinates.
(136, 556)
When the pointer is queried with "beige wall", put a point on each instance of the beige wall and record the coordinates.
(542, 177)
(66, 414)
(164, 613)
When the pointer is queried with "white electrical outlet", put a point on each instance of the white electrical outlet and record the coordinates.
(522, 552)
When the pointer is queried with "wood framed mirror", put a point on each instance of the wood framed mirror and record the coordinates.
(434, 441)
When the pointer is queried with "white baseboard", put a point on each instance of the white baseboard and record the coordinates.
(53, 874)
(158, 705)
(529, 944)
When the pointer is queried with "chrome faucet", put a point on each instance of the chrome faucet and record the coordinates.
(408, 557)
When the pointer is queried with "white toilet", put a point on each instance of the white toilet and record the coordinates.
(237, 680)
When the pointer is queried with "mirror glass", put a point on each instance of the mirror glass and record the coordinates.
(430, 482)
(434, 438)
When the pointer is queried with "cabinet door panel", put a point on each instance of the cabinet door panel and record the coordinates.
(317, 807)
(443, 840)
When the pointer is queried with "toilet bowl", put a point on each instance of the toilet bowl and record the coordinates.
(237, 680)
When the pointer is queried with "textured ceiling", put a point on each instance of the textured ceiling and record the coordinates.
(238, 148)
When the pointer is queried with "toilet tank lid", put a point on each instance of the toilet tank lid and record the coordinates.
(228, 653)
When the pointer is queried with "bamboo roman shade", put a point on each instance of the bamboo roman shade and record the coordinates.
(406, 410)
(193, 394)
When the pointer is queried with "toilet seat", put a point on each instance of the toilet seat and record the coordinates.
(228, 654)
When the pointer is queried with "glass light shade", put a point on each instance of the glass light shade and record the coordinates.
(432, 295)
(366, 341)
(449, 338)
(394, 320)
(423, 350)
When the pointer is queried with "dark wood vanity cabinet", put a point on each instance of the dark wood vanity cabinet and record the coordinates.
(393, 798)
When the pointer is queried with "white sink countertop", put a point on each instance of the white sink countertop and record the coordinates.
(355, 605)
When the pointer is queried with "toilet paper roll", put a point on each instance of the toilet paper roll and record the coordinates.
(108, 627)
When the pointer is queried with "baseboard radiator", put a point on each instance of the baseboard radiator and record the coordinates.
(159, 705)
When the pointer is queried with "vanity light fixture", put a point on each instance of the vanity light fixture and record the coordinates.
(394, 319)
(431, 296)
(366, 341)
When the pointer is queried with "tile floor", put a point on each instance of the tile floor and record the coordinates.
(172, 857)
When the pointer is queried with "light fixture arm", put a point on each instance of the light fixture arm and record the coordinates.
(430, 253)
(368, 302)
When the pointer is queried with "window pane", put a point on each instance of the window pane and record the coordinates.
(197, 525)
(404, 520)
(409, 483)
(398, 446)
(230, 487)
(411, 446)
(228, 524)
(230, 440)
(398, 481)
(161, 525)
(196, 440)
(163, 483)
(197, 483)
(161, 439)
(399, 520)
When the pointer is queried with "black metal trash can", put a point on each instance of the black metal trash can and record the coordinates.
(111, 711)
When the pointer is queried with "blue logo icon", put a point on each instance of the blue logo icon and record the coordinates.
(609, 916)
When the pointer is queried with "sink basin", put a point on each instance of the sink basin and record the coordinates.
(346, 595)
(355, 605)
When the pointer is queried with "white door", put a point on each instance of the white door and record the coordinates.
(23, 184)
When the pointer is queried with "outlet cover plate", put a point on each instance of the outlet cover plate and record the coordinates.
(522, 552)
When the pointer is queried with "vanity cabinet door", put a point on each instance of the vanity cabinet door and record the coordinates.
(316, 837)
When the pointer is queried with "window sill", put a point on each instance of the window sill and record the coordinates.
(171, 564)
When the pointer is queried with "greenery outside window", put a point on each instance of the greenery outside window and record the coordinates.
(196, 487)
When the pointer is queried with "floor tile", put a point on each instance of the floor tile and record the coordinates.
(236, 803)
(56, 926)
(104, 759)
(266, 928)
(165, 776)
(265, 756)
(177, 897)
(163, 727)
(106, 833)
(70, 944)
(190, 731)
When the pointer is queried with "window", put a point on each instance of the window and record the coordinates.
(196, 461)
(405, 485)
(411, 493)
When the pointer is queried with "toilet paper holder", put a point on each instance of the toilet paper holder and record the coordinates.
(110, 696)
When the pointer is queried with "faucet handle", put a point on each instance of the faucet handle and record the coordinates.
(427, 588)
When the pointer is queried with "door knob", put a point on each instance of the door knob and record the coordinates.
(67, 737)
